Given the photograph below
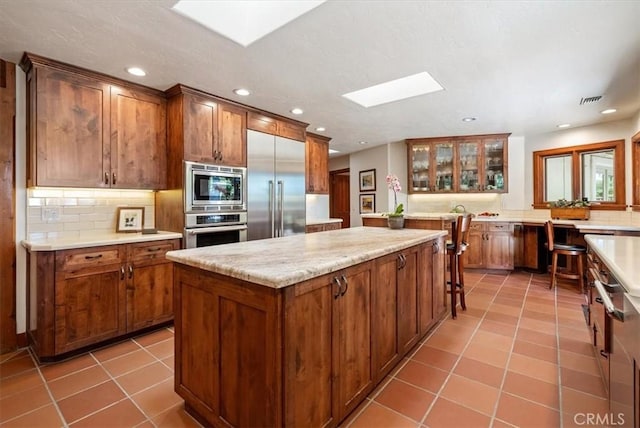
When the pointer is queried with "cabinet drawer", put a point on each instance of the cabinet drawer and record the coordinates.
(150, 250)
(476, 227)
(500, 227)
(68, 260)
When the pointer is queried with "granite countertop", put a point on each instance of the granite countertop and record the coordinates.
(323, 221)
(621, 255)
(417, 216)
(280, 262)
(93, 239)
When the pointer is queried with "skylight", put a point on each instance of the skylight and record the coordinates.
(244, 21)
(394, 90)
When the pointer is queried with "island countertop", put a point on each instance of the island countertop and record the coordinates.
(621, 255)
(280, 262)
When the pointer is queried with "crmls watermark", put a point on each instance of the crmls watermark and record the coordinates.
(599, 419)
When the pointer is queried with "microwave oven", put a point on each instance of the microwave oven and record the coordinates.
(214, 187)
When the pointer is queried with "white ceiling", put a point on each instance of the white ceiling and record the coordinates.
(519, 66)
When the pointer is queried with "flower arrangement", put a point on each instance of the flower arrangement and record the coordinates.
(394, 184)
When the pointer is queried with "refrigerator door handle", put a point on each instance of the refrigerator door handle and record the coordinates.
(281, 208)
(271, 207)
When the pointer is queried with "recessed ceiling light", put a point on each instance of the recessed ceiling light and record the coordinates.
(136, 71)
(564, 125)
(297, 110)
(320, 129)
(394, 90)
(332, 151)
(363, 142)
(244, 22)
(609, 111)
(468, 119)
(242, 92)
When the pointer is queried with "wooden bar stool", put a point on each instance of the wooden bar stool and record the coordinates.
(459, 243)
(579, 251)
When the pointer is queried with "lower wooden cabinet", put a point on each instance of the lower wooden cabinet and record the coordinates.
(491, 246)
(303, 355)
(84, 296)
(322, 227)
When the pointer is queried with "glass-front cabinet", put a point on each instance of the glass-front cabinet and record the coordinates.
(468, 164)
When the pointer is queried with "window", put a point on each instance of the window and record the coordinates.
(592, 171)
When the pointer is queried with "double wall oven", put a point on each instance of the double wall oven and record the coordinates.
(214, 204)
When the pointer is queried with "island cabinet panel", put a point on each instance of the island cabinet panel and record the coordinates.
(81, 297)
(435, 267)
(385, 324)
(230, 375)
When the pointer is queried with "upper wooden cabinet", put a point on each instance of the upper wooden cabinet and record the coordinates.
(467, 164)
(201, 128)
(282, 127)
(86, 129)
(317, 161)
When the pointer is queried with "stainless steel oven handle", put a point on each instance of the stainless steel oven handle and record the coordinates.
(201, 230)
(608, 304)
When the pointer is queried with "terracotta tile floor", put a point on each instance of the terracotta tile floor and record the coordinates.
(519, 356)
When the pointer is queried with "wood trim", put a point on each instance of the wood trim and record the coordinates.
(8, 335)
(29, 60)
(635, 167)
(575, 152)
(456, 138)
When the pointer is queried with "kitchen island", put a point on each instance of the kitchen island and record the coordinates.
(297, 331)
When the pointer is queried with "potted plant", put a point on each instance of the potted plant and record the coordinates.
(395, 219)
(570, 210)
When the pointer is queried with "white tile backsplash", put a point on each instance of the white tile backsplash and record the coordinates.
(83, 210)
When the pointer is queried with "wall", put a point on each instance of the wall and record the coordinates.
(339, 162)
(374, 158)
(317, 207)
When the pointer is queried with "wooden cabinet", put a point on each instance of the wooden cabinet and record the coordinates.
(86, 129)
(491, 246)
(303, 355)
(281, 126)
(322, 227)
(317, 163)
(84, 296)
(201, 128)
(467, 164)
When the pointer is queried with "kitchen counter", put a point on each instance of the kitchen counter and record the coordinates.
(92, 239)
(280, 262)
(621, 255)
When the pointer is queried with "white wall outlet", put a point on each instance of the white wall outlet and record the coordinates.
(50, 214)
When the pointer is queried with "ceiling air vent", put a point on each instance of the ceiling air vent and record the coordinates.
(590, 100)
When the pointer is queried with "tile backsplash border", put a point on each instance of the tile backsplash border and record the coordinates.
(82, 210)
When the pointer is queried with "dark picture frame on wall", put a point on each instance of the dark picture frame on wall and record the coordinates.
(367, 180)
(367, 203)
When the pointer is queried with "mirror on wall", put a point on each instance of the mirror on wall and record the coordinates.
(594, 171)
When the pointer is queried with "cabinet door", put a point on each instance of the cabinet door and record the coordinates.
(200, 122)
(384, 325)
(352, 353)
(408, 330)
(138, 140)
(149, 284)
(420, 168)
(68, 130)
(444, 166)
(475, 252)
(317, 158)
(431, 285)
(469, 166)
(495, 165)
(438, 277)
(89, 307)
(499, 246)
(232, 135)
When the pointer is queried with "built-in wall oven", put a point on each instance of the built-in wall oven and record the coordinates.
(214, 228)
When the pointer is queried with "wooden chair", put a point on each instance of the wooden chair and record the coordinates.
(572, 250)
(458, 245)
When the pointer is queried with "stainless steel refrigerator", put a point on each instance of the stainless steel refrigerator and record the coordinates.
(276, 204)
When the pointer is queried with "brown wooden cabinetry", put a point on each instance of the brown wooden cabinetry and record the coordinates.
(465, 164)
(86, 129)
(281, 126)
(320, 345)
(202, 128)
(322, 227)
(84, 296)
(491, 246)
(317, 163)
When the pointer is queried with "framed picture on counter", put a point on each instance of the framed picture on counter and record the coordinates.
(367, 203)
(130, 219)
(368, 180)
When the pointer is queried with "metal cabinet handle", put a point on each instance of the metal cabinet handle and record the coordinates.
(336, 281)
(99, 256)
(346, 285)
(604, 354)
(106, 178)
(130, 271)
(113, 178)
(154, 249)
(599, 300)
(436, 247)
(121, 272)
